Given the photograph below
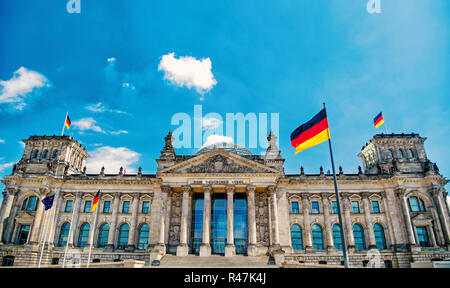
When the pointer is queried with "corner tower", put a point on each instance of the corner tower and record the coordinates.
(51, 155)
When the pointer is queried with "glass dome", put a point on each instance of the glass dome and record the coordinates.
(225, 146)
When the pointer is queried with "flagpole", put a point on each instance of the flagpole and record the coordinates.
(93, 234)
(68, 236)
(64, 125)
(344, 242)
(43, 245)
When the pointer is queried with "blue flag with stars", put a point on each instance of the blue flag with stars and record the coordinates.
(48, 201)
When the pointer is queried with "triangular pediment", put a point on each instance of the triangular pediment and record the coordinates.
(421, 217)
(219, 161)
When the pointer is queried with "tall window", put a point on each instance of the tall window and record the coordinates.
(315, 207)
(126, 207)
(143, 236)
(358, 234)
(375, 207)
(296, 237)
(83, 235)
(334, 207)
(197, 222)
(355, 207)
(64, 234)
(23, 234)
(422, 235)
(337, 239)
(30, 204)
(317, 237)
(410, 153)
(68, 207)
(103, 236)
(294, 207)
(240, 226)
(380, 238)
(106, 206)
(416, 204)
(400, 154)
(145, 207)
(45, 154)
(55, 154)
(35, 154)
(123, 236)
(87, 206)
(390, 154)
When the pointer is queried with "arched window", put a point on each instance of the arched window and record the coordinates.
(103, 233)
(64, 234)
(296, 237)
(143, 237)
(55, 154)
(123, 236)
(45, 154)
(380, 239)
(317, 237)
(416, 204)
(400, 154)
(337, 239)
(358, 234)
(84, 235)
(390, 154)
(410, 153)
(30, 204)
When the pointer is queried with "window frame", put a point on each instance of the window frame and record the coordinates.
(106, 206)
(313, 210)
(127, 207)
(68, 206)
(295, 210)
(144, 207)
(377, 210)
(357, 210)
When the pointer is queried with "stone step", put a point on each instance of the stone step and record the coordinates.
(215, 261)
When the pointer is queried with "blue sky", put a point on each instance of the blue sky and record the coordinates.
(281, 56)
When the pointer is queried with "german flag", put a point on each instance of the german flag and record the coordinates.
(96, 200)
(312, 133)
(67, 122)
(379, 120)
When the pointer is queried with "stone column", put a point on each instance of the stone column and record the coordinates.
(307, 236)
(274, 215)
(409, 228)
(443, 214)
(326, 216)
(54, 216)
(432, 238)
(134, 214)
(348, 222)
(205, 247)
(112, 228)
(252, 249)
(437, 222)
(230, 249)
(387, 212)
(161, 247)
(182, 248)
(35, 230)
(8, 199)
(74, 221)
(368, 219)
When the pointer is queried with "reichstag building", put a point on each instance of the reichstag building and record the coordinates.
(226, 201)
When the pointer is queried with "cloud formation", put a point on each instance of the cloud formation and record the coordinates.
(86, 124)
(23, 82)
(188, 71)
(118, 132)
(2, 141)
(111, 60)
(101, 108)
(6, 166)
(211, 123)
(112, 158)
(217, 139)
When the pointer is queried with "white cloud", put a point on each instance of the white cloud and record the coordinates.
(101, 108)
(111, 60)
(5, 166)
(217, 139)
(211, 123)
(188, 71)
(87, 124)
(2, 141)
(112, 158)
(21, 144)
(23, 82)
(118, 132)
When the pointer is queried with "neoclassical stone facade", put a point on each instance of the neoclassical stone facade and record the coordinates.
(226, 201)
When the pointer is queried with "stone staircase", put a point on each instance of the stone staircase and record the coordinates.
(215, 261)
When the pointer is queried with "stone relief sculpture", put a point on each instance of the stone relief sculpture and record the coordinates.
(175, 218)
(262, 220)
(220, 164)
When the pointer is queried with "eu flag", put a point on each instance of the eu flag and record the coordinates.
(48, 201)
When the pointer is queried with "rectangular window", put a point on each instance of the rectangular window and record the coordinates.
(422, 234)
(145, 207)
(334, 207)
(315, 207)
(355, 207)
(126, 207)
(294, 206)
(68, 206)
(23, 234)
(375, 207)
(107, 207)
(87, 206)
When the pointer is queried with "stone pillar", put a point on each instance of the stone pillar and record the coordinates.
(113, 226)
(9, 229)
(348, 222)
(252, 249)
(54, 217)
(368, 219)
(387, 212)
(8, 198)
(182, 248)
(409, 228)
(443, 214)
(326, 216)
(165, 189)
(432, 237)
(307, 236)
(437, 223)
(35, 230)
(205, 247)
(274, 215)
(230, 249)
(94, 225)
(134, 214)
(74, 221)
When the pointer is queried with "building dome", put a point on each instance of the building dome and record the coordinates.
(225, 146)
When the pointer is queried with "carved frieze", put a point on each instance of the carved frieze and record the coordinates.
(262, 218)
(175, 218)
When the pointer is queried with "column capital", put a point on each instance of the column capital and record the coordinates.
(365, 195)
(326, 195)
(116, 194)
(305, 195)
(345, 195)
(251, 188)
(207, 188)
(230, 188)
(186, 188)
(78, 194)
(165, 188)
(12, 191)
(272, 188)
(400, 192)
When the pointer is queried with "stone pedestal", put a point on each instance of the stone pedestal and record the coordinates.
(130, 248)
(331, 249)
(158, 252)
(205, 250)
(252, 250)
(309, 249)
(182, 250)
(230, 250)
(414, 248)
(109, 248)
